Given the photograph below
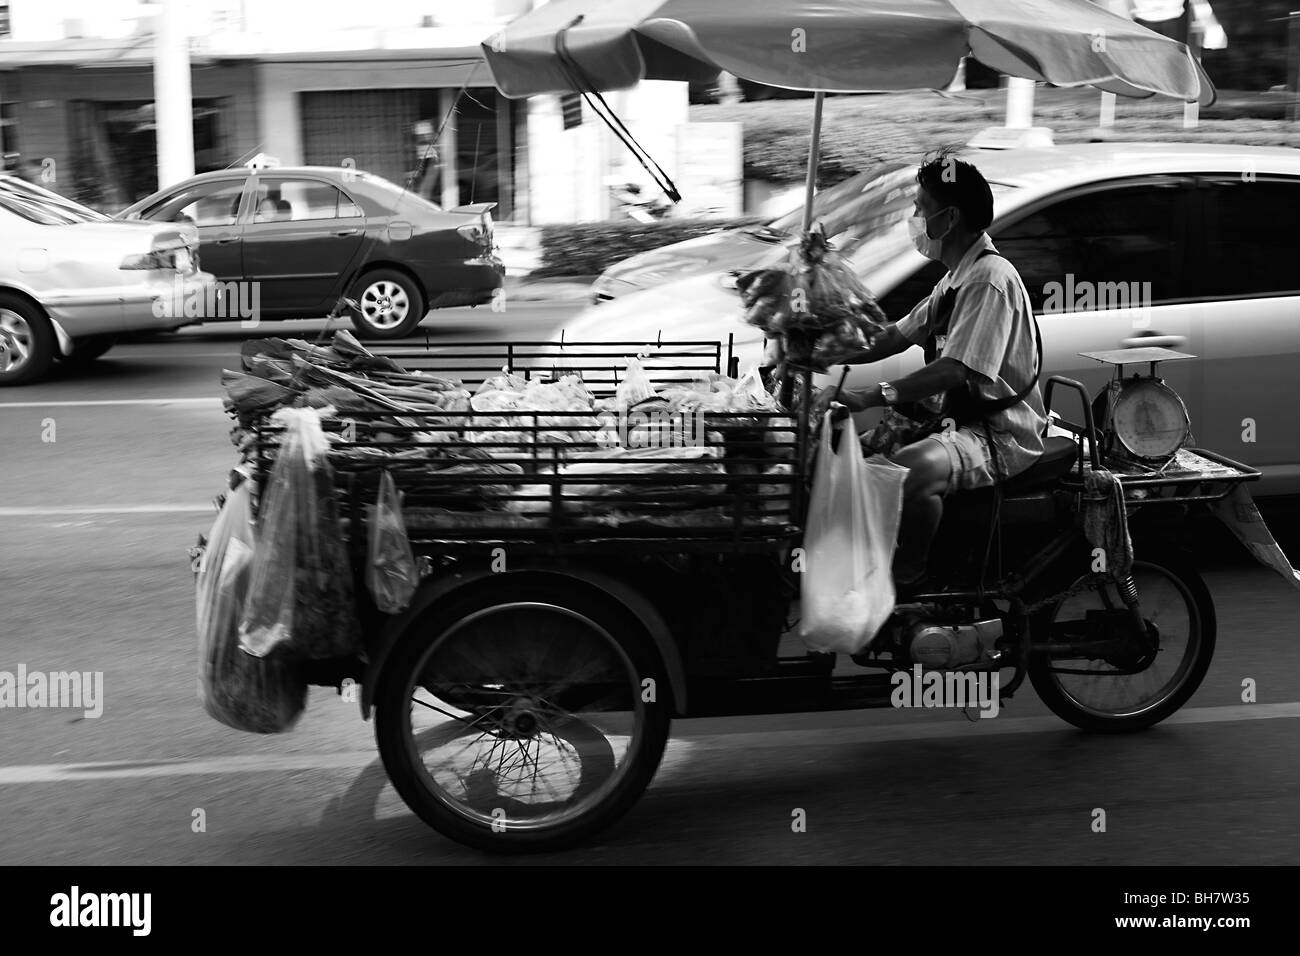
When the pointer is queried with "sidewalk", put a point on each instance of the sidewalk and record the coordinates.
(566, 289)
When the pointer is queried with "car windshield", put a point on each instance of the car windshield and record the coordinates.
(865, 217)
(859, 198)
(42, 206)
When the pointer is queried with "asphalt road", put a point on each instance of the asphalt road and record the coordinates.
(94, 576)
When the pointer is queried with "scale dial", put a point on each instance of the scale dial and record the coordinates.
(1150, 420)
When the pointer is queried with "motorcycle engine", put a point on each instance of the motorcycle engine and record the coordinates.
(942, 646)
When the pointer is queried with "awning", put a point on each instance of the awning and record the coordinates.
(451, 66)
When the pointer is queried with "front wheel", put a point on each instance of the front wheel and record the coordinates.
(27, 342)
(1114, 679)
(390, 305)
(519, 721)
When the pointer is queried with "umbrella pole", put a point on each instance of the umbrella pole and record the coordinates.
(814, 150)
(786, 391)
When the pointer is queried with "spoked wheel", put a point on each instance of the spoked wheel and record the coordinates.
(1120, 681)
(521, 723)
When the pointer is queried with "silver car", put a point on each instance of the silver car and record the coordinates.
(1189, 246)
(73, 280)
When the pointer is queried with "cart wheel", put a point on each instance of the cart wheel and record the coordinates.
(516, 721)
(1139, 682)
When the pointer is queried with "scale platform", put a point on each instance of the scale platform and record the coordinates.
(1137, 356)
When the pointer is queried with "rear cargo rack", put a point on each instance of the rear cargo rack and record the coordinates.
(552, 481)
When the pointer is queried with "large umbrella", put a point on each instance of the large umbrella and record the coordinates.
(835, 46)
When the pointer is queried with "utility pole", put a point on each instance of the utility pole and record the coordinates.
(173, 103)
(1190, 34)
(1293, 64)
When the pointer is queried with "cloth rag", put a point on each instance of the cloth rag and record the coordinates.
(1105, 521)
(1239, 513)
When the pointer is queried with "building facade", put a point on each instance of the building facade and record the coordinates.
(412, 101)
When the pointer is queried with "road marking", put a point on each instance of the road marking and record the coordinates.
(122, 401)
(117, 510)
(168, 356)
(793, 739)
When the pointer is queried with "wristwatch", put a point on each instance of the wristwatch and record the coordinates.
(888, 393)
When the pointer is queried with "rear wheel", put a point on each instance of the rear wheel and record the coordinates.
(27, 342)
(87, 349)
(390, 305)
(1117, 680)
(517, 722)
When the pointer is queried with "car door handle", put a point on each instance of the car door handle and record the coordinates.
(346, 232)
(226, 240)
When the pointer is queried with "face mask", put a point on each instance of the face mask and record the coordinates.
(917, 226)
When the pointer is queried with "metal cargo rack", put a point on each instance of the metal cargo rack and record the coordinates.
(1204, 476)
(553, 481)
(600, 364)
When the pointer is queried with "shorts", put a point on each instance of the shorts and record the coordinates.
(968, 454)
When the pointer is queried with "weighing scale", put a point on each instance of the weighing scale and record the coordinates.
(1141, 421)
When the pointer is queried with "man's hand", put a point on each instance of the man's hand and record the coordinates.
(853, 399)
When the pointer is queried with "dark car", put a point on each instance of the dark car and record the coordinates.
(293, 240)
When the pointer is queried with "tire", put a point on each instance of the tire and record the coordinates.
(87, 349)
(27, 342)
(524, 663)
(391, 305)
(1172, 596)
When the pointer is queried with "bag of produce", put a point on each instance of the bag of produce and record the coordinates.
(847, 591)
(635, 388)
(256, 695)
(391, 573)
(815, 303)
(300, 602)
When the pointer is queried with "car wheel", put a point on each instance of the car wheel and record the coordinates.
(27, 343)
(389, 305)
(88, 348)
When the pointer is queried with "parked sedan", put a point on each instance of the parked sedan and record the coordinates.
(1188, 246)
(286, 243)
(73, 280)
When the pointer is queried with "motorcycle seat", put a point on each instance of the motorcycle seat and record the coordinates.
(1058, 457)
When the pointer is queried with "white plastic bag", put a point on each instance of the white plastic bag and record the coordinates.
(853, 518)
(241, 691)
(391, 572)
(636, 386)
(300, 599)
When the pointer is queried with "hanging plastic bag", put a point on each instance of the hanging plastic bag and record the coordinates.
(300, 602)
(635, 387)
(241, 691)
(853, 518)
(391, 573)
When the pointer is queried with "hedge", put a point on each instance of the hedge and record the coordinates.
(587, 249)
(859, 132)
